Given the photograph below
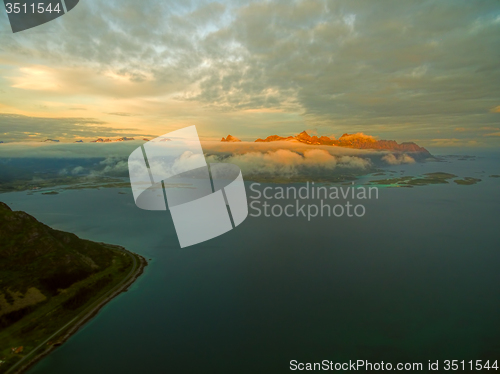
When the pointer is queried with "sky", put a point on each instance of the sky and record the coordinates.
(423, 71)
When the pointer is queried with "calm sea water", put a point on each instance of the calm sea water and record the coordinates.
(416, 279)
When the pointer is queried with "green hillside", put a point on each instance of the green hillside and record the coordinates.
(49, 278)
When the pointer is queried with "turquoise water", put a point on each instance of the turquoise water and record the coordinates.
(416, 279)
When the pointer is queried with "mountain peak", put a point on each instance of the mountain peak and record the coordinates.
(357, 140)
(230, 138)
(107, 140)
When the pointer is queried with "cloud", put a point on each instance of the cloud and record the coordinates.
(290, 159)
(122, 114)
(349, 66)
(113, 166)
(77, 170)
(279, 159)
(74, 171)
(68, 150)
(392, 159)
(454, 142)
(286, 163)
(15, 127)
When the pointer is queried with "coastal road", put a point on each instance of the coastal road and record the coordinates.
(83, 316)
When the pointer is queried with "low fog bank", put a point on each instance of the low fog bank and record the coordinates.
(277, 159)
(68, 150)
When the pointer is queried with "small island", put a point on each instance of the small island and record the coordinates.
(424, 180)
(467, 181)
(410, 181)
(50, 193)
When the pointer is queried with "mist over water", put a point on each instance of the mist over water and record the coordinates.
(415, 279)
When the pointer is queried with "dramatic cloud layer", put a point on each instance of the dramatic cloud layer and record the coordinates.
(286, 163)
(412, 70)
(281, 159)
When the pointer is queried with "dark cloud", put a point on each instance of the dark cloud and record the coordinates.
(364, 63)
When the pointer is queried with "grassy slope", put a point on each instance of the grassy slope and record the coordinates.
(72, 273)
